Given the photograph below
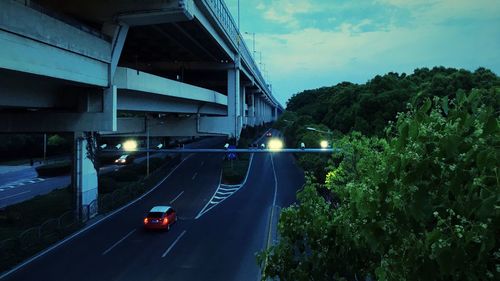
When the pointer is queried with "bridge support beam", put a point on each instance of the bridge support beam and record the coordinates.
(251, 111)
(257, 111)
(84, 178)
(241, 110)
(234, 101)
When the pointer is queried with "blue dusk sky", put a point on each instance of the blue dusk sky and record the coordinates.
(308, 44)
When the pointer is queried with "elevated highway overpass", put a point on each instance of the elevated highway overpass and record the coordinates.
(79, 66)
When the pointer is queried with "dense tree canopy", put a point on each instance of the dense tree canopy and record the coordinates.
(414, 196)
(367, 108)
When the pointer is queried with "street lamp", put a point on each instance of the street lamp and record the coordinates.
(275, 145)
(130, 145)
(324, 144)
(253, 41)
(319, 131)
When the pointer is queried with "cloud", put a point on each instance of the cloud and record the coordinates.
(356, 42)
(440, 10)
(302, 56)
(286, 11)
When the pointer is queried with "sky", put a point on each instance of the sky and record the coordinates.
(308, 44)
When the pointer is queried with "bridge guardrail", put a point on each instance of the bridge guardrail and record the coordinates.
(221, 11)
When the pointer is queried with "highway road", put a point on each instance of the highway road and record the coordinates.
(218, 245)
(25, 189)
(20, 183)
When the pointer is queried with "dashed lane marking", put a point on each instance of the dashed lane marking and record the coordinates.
(173, 244)
(176, 197)
(20, 183)
(119, 241)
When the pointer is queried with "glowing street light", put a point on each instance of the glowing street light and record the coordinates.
(323, 144)
(130, 145)
(275, 144)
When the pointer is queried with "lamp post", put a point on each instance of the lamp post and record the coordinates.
(238, 15)
(253, 42)
(147, 146)
(324, 144)
(44, 148)
(319, 131)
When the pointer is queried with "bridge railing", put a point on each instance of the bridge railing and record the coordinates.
(221, 11)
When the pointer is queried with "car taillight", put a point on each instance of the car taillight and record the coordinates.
(145, 220)
(164, 221)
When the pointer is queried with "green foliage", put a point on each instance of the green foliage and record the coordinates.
(420, 203)
(368, 107)
(56, 140)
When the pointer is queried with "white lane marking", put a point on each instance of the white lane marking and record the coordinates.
(270, 228)
(173, 244)
(194, 176)
(209, 201)
(14, 195)
(275, 182)
(118, 242)
(224, 193)
(215, 200)
(21, 183)
(228, 189)
(176, 197)
(78, 233)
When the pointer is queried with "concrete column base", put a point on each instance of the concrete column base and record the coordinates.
(84, 180)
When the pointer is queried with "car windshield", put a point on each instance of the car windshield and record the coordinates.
(155, 215)
(123, 156)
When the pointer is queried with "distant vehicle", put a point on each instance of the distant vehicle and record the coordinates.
(160, 217)
(125, 159)
(269, 134)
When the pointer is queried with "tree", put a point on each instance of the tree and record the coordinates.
(420, 203)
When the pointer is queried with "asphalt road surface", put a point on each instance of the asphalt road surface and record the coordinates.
(20, 183)
(216, 245)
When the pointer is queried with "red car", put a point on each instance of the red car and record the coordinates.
(160, 217)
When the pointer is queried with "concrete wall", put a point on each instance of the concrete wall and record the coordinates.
(22, 20)
(130, 79)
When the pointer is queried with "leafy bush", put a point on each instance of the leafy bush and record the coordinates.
(420, 204)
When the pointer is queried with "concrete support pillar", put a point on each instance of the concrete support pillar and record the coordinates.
(234, 101)
(242, 106)
(262, 112)
(251, 110)
(257, 110)
(84, 179)
(266, 112)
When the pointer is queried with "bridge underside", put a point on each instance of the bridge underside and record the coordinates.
(159, 67)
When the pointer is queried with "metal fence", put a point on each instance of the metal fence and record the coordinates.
(36, 238)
